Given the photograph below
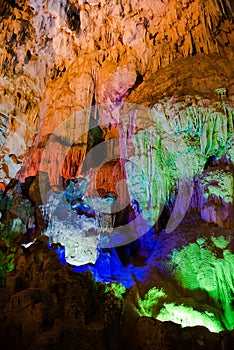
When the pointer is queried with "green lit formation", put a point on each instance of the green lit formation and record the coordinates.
(220, 185)
(199, 268)
(175, 145)
(149, 305)
(221, 242)
(117, 288)
(7, 252)
(6, 265)
(204, 270)
(188, 317)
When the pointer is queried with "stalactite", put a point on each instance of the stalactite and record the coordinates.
(203, 132)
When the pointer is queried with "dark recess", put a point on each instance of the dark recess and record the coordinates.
(139, 81)
(28, 57)
(73, 17)
(7, 5)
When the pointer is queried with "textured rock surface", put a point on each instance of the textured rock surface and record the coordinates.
(216, 201)
(46, 304)
(60, 59)
(53, 308)
(172, 148)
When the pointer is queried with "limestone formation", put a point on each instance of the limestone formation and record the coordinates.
(116, 143)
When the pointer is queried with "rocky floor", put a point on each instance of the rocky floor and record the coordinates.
(46, 305)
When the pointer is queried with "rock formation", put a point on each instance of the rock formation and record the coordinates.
(117, 143)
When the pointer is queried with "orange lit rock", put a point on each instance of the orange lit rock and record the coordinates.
(59, 60)
(2, 186)
(105, 179)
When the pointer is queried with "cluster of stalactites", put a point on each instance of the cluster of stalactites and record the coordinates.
(170, 151)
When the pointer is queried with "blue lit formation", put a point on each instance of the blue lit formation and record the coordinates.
(156, 173)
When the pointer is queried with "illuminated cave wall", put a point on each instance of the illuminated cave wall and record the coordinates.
(91, 59)
(161, 163)
(56, 60)
(176, 147)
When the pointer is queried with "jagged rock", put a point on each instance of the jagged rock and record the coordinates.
(46, 304)
(153, 334)
(60, 308)
(17, 213)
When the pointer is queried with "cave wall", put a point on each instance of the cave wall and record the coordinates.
(68, 71)
(58, 58)
(155, 82)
